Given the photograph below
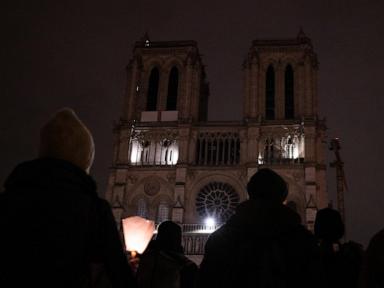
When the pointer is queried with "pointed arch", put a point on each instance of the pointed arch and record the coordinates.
(153, 88)
(163, 211)
(142, 208)
(289, 92)
(270, 93)
(173, 87)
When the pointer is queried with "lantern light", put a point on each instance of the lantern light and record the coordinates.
(137, 234)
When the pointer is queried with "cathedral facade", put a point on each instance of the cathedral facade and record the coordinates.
(170, 163)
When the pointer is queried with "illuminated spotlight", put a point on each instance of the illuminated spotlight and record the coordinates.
(210, 221)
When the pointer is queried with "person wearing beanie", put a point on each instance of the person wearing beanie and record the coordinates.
(55, 230)
(263, 244)
(66, 137)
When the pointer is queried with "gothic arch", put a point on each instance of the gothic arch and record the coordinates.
(162, 202)
(174, 62)
(133, 206)
(173, 89)
(169, 64)
(153, 89)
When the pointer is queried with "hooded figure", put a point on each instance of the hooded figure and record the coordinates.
(340, 263)
(263, 244)
(373, 275)
(54, 227)
(164, 264)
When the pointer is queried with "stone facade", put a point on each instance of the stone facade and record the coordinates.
(171, 163)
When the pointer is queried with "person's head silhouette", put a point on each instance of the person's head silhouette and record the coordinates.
(328, 225)
(169, 236)
(267, 184)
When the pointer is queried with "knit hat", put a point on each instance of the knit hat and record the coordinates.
(267, 184)
(66, 137)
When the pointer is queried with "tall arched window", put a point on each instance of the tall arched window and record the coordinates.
(141, 208)
(289, 93)
(163, 212)
(270, 94)
(173, 85)
(153, 88)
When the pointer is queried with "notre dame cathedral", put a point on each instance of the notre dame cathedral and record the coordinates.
(170, 163)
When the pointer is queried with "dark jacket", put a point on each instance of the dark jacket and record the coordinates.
(262, 245)
(340, 264)
(54, 229)
(164, 268)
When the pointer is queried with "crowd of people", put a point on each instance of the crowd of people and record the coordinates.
(57, 232)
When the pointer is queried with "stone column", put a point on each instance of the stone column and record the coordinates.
(310, 144)
(300, 91)
(124, 139)
(279, 92)
(133, 89)
(183, 145)
(195, 99)
(252, 154)
(308, 88)
(243, 146)
(185, 102)
(192, 147)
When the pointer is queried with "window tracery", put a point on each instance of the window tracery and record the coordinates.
(287, 147)
(218, 200)
(218, 148)
(153, 148)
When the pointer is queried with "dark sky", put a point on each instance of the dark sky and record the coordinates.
(74, 53)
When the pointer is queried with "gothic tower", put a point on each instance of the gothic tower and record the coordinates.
(280, 109)
(171, 163)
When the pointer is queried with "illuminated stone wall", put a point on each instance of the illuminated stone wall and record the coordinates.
(176, 165)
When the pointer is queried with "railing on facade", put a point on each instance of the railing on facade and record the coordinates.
(199, 228)
(281, 160)
(194, 244)
(195, 236)
(215, 148)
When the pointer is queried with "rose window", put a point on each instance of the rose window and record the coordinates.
(218, 200)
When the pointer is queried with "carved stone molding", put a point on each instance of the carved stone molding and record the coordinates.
(151, 187)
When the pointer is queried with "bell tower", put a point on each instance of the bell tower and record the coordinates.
(165, 81)
(166, 95)
(280, 109)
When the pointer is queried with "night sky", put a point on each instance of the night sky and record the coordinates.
(74, 53)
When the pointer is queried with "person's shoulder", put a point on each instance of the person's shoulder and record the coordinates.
(217, 236)
(352, 248)
(180, 261)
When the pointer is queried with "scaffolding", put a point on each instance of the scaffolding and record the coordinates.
(341, 183)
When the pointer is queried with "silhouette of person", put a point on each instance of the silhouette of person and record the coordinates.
(373, 275)
(54, 228)
(263, 244)
(164, 264)
(340, 263)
